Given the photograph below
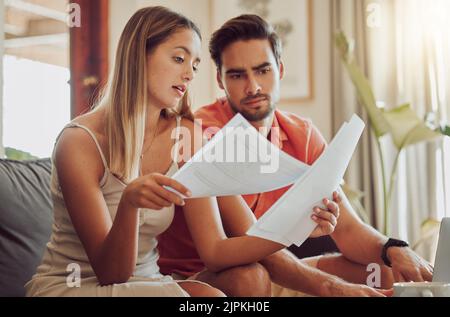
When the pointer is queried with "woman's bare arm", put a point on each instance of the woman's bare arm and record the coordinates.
(110, 246)
(217, 251)
(202, 216)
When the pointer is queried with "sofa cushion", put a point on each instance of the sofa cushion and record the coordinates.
(25, 221)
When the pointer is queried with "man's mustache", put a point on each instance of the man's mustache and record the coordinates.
(252, 98)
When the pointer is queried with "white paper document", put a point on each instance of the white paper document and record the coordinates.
(238, 161)
(289, 221)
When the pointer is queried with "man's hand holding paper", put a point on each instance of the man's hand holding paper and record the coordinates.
(326, 219)
(291, 219)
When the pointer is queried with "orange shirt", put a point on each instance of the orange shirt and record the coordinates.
(297, 137)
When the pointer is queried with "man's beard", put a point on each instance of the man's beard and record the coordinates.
(254, 116)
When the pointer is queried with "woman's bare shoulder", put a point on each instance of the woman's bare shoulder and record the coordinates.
(77, 149)
(94, 121)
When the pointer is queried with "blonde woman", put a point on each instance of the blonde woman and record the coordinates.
(109, 169)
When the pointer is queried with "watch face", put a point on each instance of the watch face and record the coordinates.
(396, 243)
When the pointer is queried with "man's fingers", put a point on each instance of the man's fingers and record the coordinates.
(332, 206)
(386, 292)
(376, 293)
(414, 275)
(337, 198)
(398, 276)
(367, 291)
(427, 274)
(325, 226)
(325, 215)
(420, 278)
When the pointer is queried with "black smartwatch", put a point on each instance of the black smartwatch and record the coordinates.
(391, 243)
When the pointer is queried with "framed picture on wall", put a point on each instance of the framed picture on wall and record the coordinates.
(292, 20)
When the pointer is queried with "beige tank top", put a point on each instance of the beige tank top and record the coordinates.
(65, 248)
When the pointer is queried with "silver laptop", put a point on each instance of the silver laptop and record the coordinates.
(442, 261)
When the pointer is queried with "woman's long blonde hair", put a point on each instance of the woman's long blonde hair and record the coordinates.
(125, 95)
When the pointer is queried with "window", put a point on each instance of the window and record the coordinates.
(36, 101)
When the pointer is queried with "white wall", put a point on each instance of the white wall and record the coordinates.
(197, 10)
(319, 108)
(119, 13)
(204, 91)
(2, 15)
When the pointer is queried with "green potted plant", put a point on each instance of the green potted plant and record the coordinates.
(401, 123)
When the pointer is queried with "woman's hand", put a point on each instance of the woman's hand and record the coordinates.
(148, 192)
(326, 219)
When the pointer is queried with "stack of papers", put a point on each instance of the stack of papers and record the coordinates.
(239, 161)
(289, 221)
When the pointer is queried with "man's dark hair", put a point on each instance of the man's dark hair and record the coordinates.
(243, 28)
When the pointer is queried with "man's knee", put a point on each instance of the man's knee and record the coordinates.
(251, 280)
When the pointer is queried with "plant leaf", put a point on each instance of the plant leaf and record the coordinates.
(428, 229)
(362, 85)
(407, 128)
(402, 122)
(354, 197)
(445, 130)
(429, 223)
(17, 155)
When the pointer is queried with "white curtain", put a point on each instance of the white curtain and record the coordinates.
(2, 16)
(363, 173)
(422, 77)
(404, 48)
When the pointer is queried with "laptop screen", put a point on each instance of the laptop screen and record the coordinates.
(442, 261)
